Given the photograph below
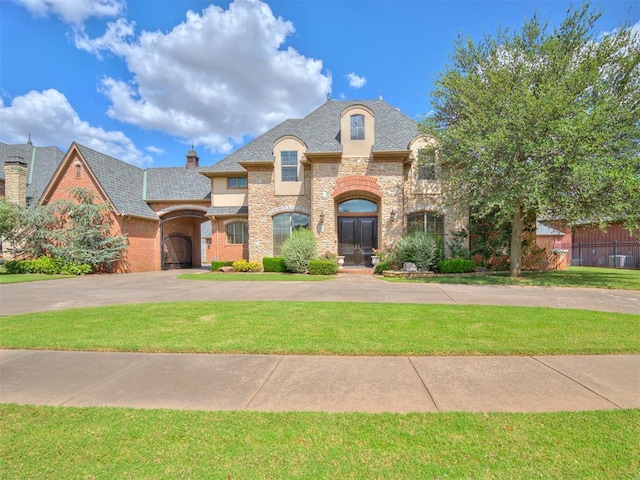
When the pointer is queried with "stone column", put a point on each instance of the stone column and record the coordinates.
(15, 180)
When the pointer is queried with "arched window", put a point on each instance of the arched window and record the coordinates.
(357, 205)
(283, 225)
(237, 233)
(357, 127)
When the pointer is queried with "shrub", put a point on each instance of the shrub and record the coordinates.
(273, 264)
(299, 249)
(245, 266)
(45, 265)
(419, 248)
(216, 265)
(456, 265)
(323, 267)
(391, 256)
(76, 269)
(14, 266)
(381, 267)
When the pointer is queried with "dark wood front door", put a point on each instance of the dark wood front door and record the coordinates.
(176, 249)
(357, 237)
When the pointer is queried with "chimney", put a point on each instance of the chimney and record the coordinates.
(15, 180)
(193, 160)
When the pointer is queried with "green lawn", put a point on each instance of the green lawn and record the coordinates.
(256, 277)
(63, 442)
(589, 277)
(331, 328)
(27, 277)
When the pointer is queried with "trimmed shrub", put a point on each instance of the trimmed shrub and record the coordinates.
(323, 267)
(216, 265)
(273, 264)
(76, 269)
(299, 249)
(45, 265)
(381, 267)
(419, 248)
(246, 266)
(457, 265)
(14, 266)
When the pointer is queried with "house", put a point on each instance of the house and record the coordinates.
(347, 171)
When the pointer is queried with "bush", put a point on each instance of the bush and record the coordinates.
(323, 267)
(47, 266)
(14, 266)
(419, 248)
(381, 267)
(273, 264)
(456, 265)
(245, 266)
(216, 265)
(299, 249)
(76, 269)
(390, 256)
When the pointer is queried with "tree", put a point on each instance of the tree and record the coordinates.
(542, 122)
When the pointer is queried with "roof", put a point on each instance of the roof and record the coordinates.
(544, 229)
(176, 183)
(227, 211)
(121, 182)
(320, 131)
(42, 163)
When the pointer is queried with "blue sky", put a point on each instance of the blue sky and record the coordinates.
(143, 80)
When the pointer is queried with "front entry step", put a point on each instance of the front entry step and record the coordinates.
(356, 270)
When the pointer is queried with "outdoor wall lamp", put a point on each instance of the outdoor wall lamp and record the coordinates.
(322, 218)
(392, 216)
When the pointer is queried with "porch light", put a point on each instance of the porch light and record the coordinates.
(392, 216)
(322, 218)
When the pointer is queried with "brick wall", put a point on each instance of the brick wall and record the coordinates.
(593, 234)
(219, 249)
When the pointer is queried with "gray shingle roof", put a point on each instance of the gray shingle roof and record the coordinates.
(544, 229)
(121, 181)
(176, 183)
(320, 131)
(227, 211)
(42, 163)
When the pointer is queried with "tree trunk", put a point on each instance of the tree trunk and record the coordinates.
(515, 254)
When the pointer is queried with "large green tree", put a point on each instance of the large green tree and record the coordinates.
(542, 121)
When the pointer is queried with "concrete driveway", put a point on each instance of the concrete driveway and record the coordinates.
(96, 290)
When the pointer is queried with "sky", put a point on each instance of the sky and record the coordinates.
(145, 80)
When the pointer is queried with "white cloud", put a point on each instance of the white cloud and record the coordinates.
(216, 78)
(74, 11)
(356, 81)
(156, 150)
(51, 120)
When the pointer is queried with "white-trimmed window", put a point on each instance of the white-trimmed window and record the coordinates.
(357, 127)
(237, 182)
(283, 225)
(237, 233)
(289, 164)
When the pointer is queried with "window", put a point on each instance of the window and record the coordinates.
(238, 233)
(78, 170)
(357, 205)
(289, 166)
(427, 165)
(237, 182)
(427, 222)
(283, 225)
(357, 127)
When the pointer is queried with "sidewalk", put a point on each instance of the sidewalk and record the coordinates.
(320, 383)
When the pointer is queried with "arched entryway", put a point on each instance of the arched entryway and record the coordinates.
(181, 238)
(357, 231)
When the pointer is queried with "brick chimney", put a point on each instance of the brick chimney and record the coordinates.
(15, 180)
(193, 161)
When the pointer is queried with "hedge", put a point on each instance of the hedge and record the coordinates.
(456, 265)
(323, 267)
(274, 264)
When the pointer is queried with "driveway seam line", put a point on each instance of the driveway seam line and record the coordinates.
(433, 400)
(275, 367)
(576, 382)
(447, 294)
(110, 378)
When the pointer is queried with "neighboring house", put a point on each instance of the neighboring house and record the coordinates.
(345, 171)
(160, 210)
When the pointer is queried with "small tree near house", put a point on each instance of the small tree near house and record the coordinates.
(542, 122)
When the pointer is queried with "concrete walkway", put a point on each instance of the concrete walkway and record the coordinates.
(320, 383)
(312, 383)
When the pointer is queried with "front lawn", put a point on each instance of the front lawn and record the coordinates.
(589, 277)
(256, 277)
(319, 328)
(6, 278)
(63, 442)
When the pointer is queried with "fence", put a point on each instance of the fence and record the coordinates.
(609, 254)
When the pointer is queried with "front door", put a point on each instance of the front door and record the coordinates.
(357, 237)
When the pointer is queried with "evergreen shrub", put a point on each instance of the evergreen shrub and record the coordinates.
(456, 265)
(419, 248)
(381, 267)
(323, 267)
(274, 264)
(299, 249)
(216, 265)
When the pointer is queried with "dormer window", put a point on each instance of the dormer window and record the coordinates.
(427, 165)
(289, 166)
(357, 127)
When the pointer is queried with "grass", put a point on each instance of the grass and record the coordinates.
(6, 278)
(63, 442)
(256, 277)
(588, 277)
(327, 328)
